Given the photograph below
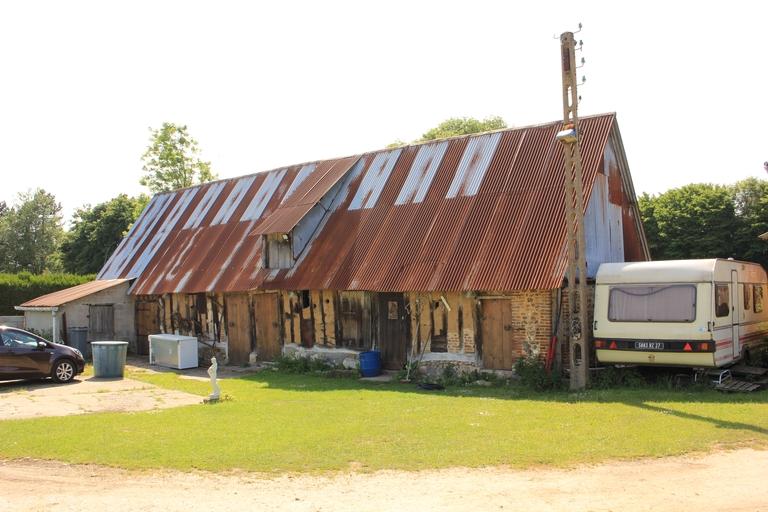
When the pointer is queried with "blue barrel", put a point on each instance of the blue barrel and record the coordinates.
(109, 359)
(370, 363)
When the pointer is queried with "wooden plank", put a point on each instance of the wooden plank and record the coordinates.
(238, 328)
(508, 336)
(147, 322)
(737, 386)
(492, 325)
(265, 314)
(392, 333)
(101, 322)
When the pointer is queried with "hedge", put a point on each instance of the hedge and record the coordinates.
(18, 288)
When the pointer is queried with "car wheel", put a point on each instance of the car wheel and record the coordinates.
(63, 371)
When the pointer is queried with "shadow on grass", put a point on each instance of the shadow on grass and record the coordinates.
(735, 425)
(630, 396)
(641, 398)
(638, 397)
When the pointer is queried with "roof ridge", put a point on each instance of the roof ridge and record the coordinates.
(374, 151)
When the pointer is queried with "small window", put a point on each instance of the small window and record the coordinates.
(277, 251)
(758, 298)
(747, 297)
(306, 301)
(673, 303)
(722, 308)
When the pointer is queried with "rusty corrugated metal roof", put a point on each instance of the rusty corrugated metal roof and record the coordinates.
(311, 184)
(61, 297)
(482, 212)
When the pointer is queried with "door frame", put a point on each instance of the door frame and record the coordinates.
(394, 354)
(735, 310)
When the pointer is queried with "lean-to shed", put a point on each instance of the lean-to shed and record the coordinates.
(101, 309)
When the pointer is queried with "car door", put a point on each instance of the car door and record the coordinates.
(8, 368)
(27, 356)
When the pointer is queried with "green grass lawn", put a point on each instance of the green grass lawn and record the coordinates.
(277, 422)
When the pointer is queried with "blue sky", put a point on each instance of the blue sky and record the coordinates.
(262, 85)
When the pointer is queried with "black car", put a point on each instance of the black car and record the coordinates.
(24, 355)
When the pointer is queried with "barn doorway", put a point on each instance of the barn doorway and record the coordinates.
(498, 334)
(147, 322)
(266, 318)
(354, 320)
(238, 328)
(394, 323)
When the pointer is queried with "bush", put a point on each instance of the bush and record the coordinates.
(533, 375)
(411, 372)
(478, 375)
(450, 376)
(298, 364)
(15, 289)
(613, 377)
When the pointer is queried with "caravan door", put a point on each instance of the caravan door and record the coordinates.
(735, 310)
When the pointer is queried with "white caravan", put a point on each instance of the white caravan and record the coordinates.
(697, 313)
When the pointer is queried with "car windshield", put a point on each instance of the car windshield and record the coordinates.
(18, 339)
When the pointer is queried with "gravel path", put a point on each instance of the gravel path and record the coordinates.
(32, 399)
(732, 481)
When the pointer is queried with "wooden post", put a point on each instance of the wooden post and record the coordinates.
(578, 330)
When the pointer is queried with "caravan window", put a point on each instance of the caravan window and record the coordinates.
(673, 303)
(758, 302)
(721, 300)
(747, 297)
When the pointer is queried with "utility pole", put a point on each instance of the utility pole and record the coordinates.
(578, 330)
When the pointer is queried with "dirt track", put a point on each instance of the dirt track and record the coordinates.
(734, 481)
(37, 399)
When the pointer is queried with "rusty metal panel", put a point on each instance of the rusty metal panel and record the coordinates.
(61, 297)
(263, 195)
(474, 162)
(421, 173)
(310, 185)
(374, 180)
(496, 225)
(481, 212)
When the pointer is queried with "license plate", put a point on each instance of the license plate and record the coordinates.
(649, 345)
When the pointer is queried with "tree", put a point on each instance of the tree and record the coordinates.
(30, 234)
(96, 232)
(750, 198)
(172, 161)
(647, 204)
(707, 221)
(693, 221)
(455, 126)
(463, 126)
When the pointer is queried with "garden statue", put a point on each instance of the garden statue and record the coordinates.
(215, 385)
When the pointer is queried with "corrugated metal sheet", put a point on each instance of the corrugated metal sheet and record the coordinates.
(61, 297)
(309, 186)
(479, 212)
(492, 218)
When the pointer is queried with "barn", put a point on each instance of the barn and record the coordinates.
(455, 249)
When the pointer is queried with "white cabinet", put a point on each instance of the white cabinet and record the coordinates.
(173, 351)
